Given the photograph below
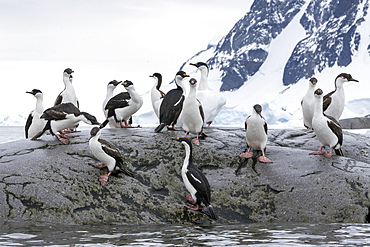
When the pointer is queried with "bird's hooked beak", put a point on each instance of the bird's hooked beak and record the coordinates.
(30, 92)
(354, 80)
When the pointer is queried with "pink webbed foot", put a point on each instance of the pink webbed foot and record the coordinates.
(62, 139)
(209, 123)
(189, 198)
(246, 155)
(96, 165)
(327, 155)
(195, 208)
(195, 141)
(320, 152)
(103, 179)
(264, 159)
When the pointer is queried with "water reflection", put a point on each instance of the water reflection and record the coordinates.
(273, 234)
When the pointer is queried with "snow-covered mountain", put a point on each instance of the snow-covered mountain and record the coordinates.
(271, 52)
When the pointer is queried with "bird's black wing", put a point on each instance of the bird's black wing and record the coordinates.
(171, 106)
(28, 124)
(109, 148)
(245, 123)
(201, 111)
(58, 100)
(59, 112)
(336, 128)
(327, 100)
(200, 183)
(118, 101)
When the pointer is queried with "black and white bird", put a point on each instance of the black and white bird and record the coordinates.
(212, 101)
(106, 153)
(156, 94)
(68, 95)
(308, 103)
(192, 113)
(333, 102)
(122, 106)
(327, 129)
(256, 134)
(195, 182)
(110, 88)
(172, 103)
(64, 116)
(34, 123)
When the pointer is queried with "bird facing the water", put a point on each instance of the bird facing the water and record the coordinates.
(106, 153)
(195, 182)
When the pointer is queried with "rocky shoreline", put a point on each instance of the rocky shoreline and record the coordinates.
(46, 181)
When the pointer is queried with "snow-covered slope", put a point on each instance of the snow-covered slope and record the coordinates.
(321, 39)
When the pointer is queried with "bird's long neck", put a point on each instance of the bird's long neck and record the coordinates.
(318, 105)
(192, 92)
(188, 157)
(109, 92)
(39, 104)
(180, 85)
(203, 83)
(134, 95)
(66, 81)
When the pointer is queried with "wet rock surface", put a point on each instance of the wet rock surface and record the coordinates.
(46, 181)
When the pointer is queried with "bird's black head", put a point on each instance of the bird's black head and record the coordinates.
(258, 108)
(192, 81)
(34, 92)
(158, 75)
(127, 83)
(114, 83)
(94, 131)
(184, 140)
(318, 92)
(346, 76)
(199, 64)
(90, 119)
(182, 74)
(313, 81)
(68, 71)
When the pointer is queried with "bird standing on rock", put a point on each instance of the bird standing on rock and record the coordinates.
(110, 88)
(122, 106)
(68, 94)
(212, 101)
(256, 134)
(195, 182)
(308, 103)
(172, 104)
(34, 123)
(106, 153)
(327, 129)
(192, 113)
(64, 116)
(333, 102)
(156, 94)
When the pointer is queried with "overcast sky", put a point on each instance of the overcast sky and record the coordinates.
(101, 41)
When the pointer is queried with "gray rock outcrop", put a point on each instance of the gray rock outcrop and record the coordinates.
(46, 181)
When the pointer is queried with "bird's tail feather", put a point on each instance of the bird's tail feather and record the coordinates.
(210, 212)
(338, 152)
(159, 128)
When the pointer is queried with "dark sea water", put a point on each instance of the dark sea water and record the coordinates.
(257, 234)
(268, 234)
